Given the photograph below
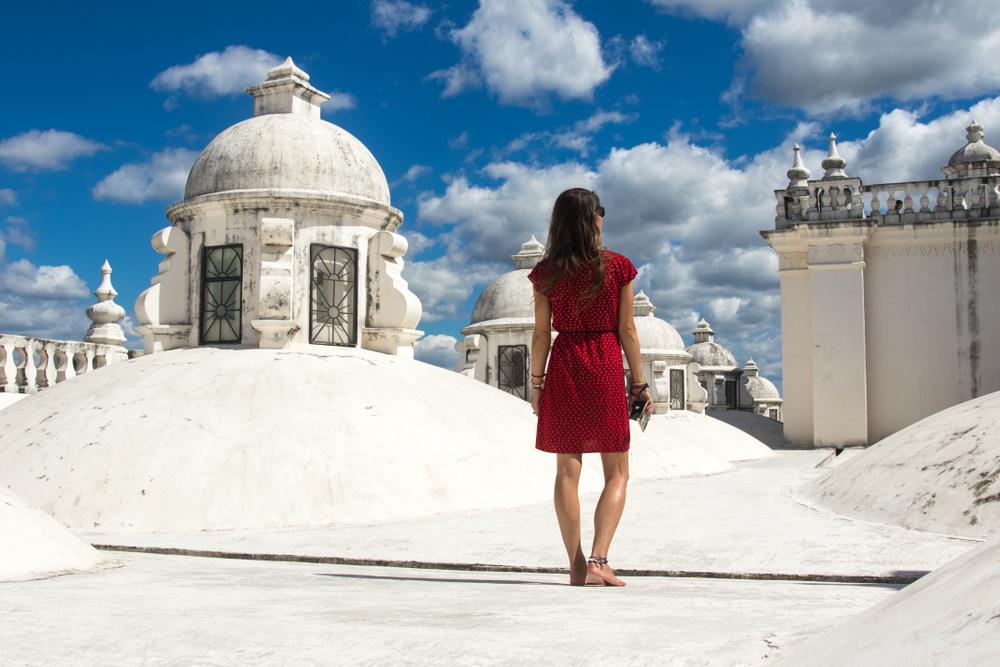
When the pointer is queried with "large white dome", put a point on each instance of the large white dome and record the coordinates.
(287, 151)
(247, 438)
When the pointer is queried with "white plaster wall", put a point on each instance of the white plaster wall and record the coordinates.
(932, 320)
(838, 355)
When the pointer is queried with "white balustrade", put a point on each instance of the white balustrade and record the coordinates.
(29, 364)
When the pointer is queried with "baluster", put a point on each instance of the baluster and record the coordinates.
(26, 369)
(89, 357)
(45, 374)
(845, 198)
(100, 359)
(907, 203)
(925, 202)
(834, 197)
(942, 203)
(64, 363)
(8, 369)
(824, 199)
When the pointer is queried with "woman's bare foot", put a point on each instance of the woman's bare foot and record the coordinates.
(600, 574)
(578, 571)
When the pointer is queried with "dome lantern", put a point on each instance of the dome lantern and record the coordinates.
(529, 255)
(642, 306)
(975, 158)
(287, 90)
(703, 332)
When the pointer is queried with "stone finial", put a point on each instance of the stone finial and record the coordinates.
(642, 306)
(750, 369)
(287, 90)
(529, 254)
(286, 69)
(798, 175)
(105, 314)
(974, 132)
(703, 332)
(834, 164)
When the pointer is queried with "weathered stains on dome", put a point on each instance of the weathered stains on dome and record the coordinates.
(287, 151)
(711, 354)
(510, 296)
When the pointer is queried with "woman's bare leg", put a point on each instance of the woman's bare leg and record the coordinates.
(612, 502)
(567, 502)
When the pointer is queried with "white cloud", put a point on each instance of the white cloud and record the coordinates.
(833, 58)
(578, 138)
(217, 73)
(459, 141)
(8, 197)
(339, 102)
(3, 249)
(395, 16)
(645, 51)
(162, 177)
(24, 279)
(443, 284)
(17, 232)
(526, 50)
(412, 174)
(437, 349)
(48, 150)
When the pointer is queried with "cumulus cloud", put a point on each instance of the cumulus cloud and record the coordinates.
(577, 138)
(834, 58)
(436, 349)
(217, 73)
(395, 16)
(45, 150)
(161, 177)
(526, 50)
(8, 197)
(24, 279)
(443, 284)
(339, 102)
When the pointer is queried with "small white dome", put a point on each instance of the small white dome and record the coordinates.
(762, 389)
(510, 295)
(287, 151)
(654, 333)
(711, 354)
(976, 150)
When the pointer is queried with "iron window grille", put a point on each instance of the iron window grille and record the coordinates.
(333, 299)
(221, 313)
(677, 393)
(512, 365)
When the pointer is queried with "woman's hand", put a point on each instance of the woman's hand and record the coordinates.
(644, 395)
(536, 398)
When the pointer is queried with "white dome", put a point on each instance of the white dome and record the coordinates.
(711, 354)
(247, 438)
(509, 296)
(287, 151)
(761, 389)
(655, 333)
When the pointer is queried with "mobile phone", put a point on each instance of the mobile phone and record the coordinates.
(637, 409)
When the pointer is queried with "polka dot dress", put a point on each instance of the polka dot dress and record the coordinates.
(584, 407)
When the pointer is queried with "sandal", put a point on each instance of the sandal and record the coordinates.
(601, 574)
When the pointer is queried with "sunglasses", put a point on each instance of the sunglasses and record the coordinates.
(600, 211)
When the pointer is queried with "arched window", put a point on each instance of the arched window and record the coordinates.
(333, 299)
(512, 364)
(221, 294)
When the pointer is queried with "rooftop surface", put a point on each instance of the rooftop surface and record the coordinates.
(161, 609)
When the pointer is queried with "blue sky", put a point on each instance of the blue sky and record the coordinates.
(681, 114)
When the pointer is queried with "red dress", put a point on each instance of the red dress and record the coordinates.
(584, 406)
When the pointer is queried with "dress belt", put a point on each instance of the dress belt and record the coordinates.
(562, 331)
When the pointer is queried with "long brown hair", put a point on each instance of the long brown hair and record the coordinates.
(574, 241)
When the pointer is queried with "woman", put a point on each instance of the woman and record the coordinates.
(584, 291)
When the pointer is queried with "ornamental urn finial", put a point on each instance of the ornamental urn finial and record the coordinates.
(798, 175)
(105, 314)
(834, 164)
(974, 132)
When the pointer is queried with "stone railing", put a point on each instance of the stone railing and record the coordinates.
(29, 364)
(918, 201)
